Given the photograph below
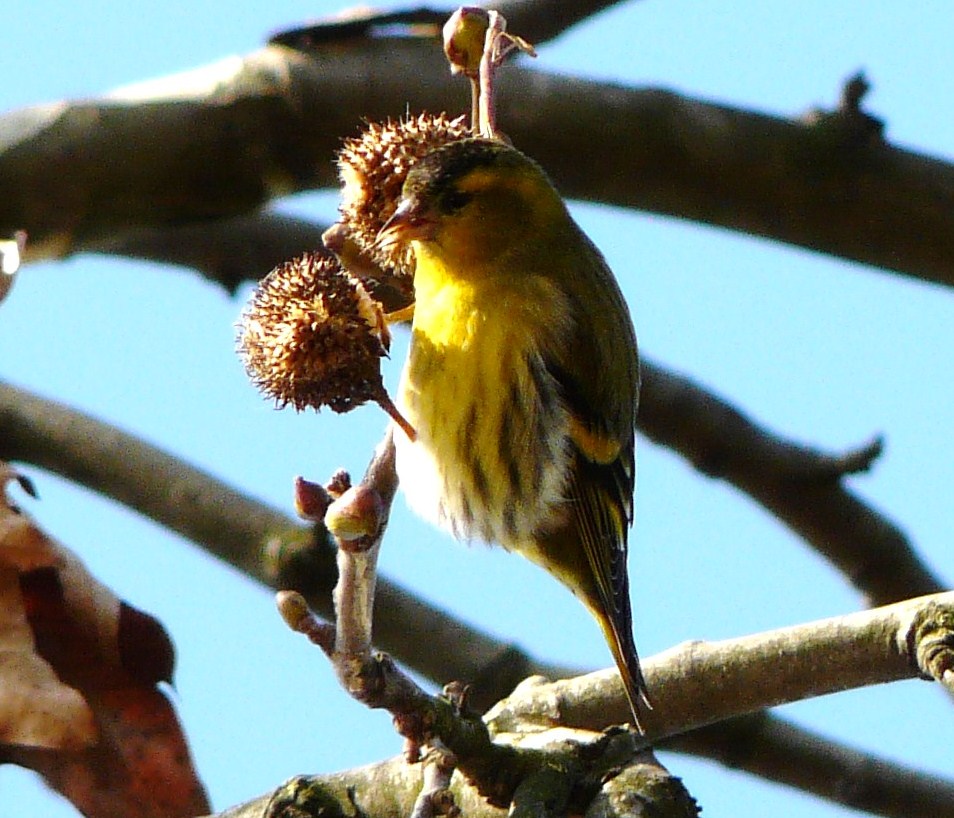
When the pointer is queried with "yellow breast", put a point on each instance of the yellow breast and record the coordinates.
(491, 457)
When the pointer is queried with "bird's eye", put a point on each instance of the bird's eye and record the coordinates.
(455, 200)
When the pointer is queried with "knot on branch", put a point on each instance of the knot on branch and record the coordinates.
(833, 467)
(578, 772)
(302, 797)
(848, 126)
(931, 643)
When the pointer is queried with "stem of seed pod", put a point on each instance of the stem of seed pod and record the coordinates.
(497, 45)
(487, 113)
(474, 104)
(464, 36)
(385, 402)
(405, 314)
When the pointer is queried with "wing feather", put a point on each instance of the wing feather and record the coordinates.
(598, 377)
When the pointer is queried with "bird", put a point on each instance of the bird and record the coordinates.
(522, 379)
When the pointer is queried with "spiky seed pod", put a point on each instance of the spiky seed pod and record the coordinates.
(312, 336)
(373, 166)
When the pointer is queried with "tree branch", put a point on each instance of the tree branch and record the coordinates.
(537, 773)
(552, 778)
(801, 486)
(772, 749)
(389, 788)
(228, 251)
(886, 638)
(811, 184)
(841, 775)
(870, 647)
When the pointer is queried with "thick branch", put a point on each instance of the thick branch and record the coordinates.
(803, 487)
(770, 748)
(810, 185)
(703, 683)
(389, 788)
(862, 648)
(858, 781)
(229, 251)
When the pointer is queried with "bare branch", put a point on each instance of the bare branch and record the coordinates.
(803, 487)
(763, 670)
(810, 184)
(229, 251)
(841, 775)
(538, 773)
(825, 656)
(780, 752)
(534, 20)
(541, 20)
(390, 788)
(368, 503)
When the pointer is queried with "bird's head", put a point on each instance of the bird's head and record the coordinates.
(472, 200)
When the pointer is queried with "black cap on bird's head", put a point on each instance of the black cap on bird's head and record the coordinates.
(445, 169)
(446, 179)
(439, 169)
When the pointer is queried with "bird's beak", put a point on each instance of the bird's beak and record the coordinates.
(410, 221)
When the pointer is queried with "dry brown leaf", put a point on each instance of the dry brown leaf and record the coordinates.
(79, 673)
(36, 708)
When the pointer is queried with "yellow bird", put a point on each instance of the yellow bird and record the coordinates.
(522, 379)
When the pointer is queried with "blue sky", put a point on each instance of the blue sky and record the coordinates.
(820, 350)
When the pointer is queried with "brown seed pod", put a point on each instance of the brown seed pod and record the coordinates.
(373, 167)
(312, 336)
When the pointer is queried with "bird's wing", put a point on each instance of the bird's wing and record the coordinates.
(600, 493)
(598, 377)
(597, 372)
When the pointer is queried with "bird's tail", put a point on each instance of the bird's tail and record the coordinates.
(619, 636)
